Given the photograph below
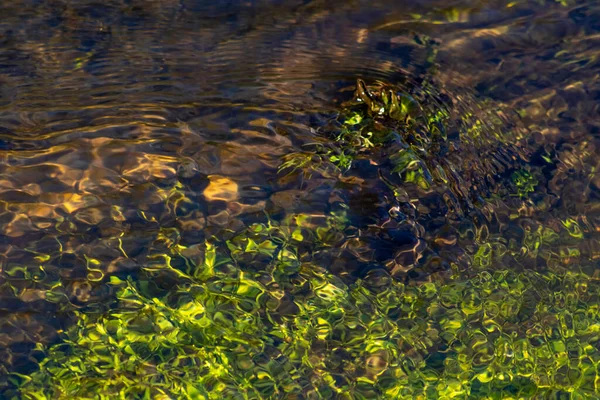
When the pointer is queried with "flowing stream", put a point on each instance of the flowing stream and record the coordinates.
(299, 199)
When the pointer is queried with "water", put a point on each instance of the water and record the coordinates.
(196, 200)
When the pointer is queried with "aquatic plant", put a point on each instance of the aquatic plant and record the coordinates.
(415, 136)
(258, 317)
(260, 313)
(174, 290)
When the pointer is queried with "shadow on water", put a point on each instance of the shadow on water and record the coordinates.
(200, 193)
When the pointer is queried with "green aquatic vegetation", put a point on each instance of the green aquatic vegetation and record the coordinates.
(194, 353)
(411, 167)
(224, 328)
(260, 315)
(307, 307)
(524, 182)
(351, 141)
(355, 135)
(353, 119)
(563, 3)
(342, 160)
(307, 162)
(405, 130)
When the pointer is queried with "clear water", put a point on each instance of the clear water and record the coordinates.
(196, 201)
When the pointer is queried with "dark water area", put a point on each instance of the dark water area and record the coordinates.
(300, 199)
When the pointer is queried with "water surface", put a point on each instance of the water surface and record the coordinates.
(194, 201)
